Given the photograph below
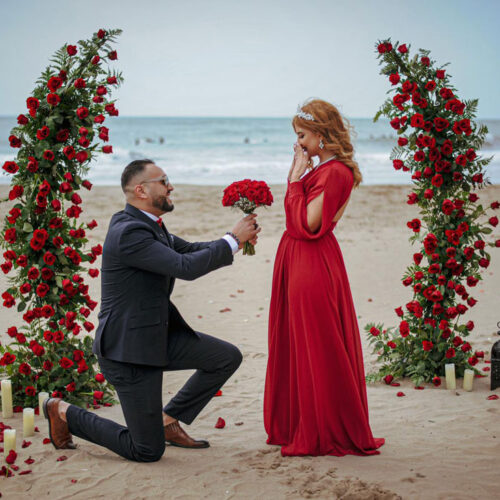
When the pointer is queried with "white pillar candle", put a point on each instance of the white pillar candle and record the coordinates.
(468, 380)
(9, 441)
(6, 398)
(450, 376)
(42, 396)
(28, 422)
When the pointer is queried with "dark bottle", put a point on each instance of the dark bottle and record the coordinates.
(495, 363)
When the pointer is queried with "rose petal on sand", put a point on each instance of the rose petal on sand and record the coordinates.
(62, 458)
(226, 309)
(240, 291)
(73, 480)
(46, 441)
(232, 295)
(24, 472)
(487, 361)
(370, 300)
(29, 460)
(492, 397)
(419, 387)
(200, 316)
(400, 394)
(221, 423)
(218, 393)
(486, 369)
(25, 443)
(238, 423)
(37, 429)
(395, 384)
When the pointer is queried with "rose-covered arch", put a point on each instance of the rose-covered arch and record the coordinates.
(45, 243)
(438, 143)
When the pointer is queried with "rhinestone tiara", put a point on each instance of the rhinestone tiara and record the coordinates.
(303, 115)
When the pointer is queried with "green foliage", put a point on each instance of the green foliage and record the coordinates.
(440, 149)
(43, 237)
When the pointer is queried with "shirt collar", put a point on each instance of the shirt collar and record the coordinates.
(151, 216)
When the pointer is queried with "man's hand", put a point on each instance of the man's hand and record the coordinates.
(247, 229)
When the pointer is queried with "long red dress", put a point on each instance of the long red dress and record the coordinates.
(315, 395)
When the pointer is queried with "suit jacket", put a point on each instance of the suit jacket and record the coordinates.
(140, 263)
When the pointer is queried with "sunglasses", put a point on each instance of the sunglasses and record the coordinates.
(164, 180)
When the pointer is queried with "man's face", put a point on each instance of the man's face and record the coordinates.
(158, 188)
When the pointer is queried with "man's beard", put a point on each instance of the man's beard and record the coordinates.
(161, 203)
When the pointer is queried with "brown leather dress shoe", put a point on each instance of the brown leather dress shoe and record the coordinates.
(175, 435)
(58, 429)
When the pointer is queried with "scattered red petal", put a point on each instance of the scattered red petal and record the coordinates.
(73, 480)
(24, 472)
(62, 458)
(400, 394)
(107, 404)
(395, 384)
(486, 369)
(37, 429)
(25, 443)
(218, 393)
(232, 295)
(492, 397)
(238, 423)
(479, 375)
(14, 467)
(200, 316)
(487, 361)
(46, 441)
(240, 291)
(37, 411)
(221, 423)
(226, 309)
(419, 387)
(29, 460)
(370, 300)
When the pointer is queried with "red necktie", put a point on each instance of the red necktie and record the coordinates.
(159, 221)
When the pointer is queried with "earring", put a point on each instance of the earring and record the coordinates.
(321, 144)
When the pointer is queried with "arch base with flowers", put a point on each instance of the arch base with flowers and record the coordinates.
(43, 237)
(438, 144)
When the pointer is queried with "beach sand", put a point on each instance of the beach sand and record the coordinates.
(439, 444)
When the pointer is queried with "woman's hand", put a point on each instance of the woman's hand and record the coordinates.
(300, 163)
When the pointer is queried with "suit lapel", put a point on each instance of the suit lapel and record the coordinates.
(162, 233)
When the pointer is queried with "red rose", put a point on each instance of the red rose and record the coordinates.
(10, 235)
(417, 120)
(48, 155)
(493, 221)
(101, 34)
(95, 60)
(53, 99)
(42, 133)
(10, 167)
(100, 378)
(113, 55)
(82, 112)
(69, 152)
(11, 458)
(436, 381)
(450, 353)
(15, 142)
(107, 149)
(400, 394)
(484, 262)
(419, 156)
(403, 48)
(84, 142)
(94, 273)
(80, 83)
(98, 395)
(388, 379)
(42, 289)
(112, 80)
(395, 123)
(22, 120)
(441, 123)
(71, 387)
(404, 328)
(374, 331)
(414, 224)
(62, 135)
(49, 258)
(425, 61)
(66, 363)
(221, 423)
(82, 156)
(97, 99)
(30, 390)
(88, 326)
(473, 361)
(71, 49)
(24, 369)
(427, 345)
(394, 78)
(440, 74)
(99, 119)
(430, 85)
(87, 185)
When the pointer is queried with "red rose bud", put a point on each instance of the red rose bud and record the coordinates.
(399, 311)
(93, 273)
(394, 78)
(53, 99)
(425, 61)
(107, 149)
(403, 49)
(95, 60)
(112, 80)
(82, 112)
(101, 34)
(82, 156)
(100, 378)
(71, 50)
(113, 56)
(436, 381)
(493, 221)
(374, 331)
(98, 395)
(428, 194)
(99, 118)
(220, 423)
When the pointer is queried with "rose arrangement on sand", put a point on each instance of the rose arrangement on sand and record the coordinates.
(247, 195)
(43, 237)
(438, 143)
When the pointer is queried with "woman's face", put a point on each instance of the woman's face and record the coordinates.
(308, 140)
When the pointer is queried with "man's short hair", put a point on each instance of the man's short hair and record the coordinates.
(132, 169)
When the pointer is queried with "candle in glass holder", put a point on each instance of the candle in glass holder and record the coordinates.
(42, 396)
(468, 380)
(9, 441)
(449, 369)
(28, 422)
(6, 398)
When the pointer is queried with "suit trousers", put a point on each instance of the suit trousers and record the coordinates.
(139, 390)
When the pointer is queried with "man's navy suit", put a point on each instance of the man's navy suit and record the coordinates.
(141, 334)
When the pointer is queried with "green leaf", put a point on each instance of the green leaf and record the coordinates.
(27, 227)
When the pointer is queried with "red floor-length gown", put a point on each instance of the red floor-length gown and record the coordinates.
(315, 395)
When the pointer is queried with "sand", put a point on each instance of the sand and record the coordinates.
(439, 444)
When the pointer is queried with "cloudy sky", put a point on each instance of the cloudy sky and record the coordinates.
(255, 57)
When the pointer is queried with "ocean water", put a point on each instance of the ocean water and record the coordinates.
(218, 151)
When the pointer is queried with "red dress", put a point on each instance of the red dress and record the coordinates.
(315, 395)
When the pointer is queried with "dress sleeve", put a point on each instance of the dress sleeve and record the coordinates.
(336, 182)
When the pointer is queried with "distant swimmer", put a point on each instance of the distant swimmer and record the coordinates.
(247, 140)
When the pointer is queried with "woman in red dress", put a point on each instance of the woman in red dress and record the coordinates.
(315, 395)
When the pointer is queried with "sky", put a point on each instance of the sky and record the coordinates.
(254, 57)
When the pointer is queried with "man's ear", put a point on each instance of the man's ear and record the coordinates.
(140, 192)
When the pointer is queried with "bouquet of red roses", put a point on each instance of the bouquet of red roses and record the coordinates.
(247, 195)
